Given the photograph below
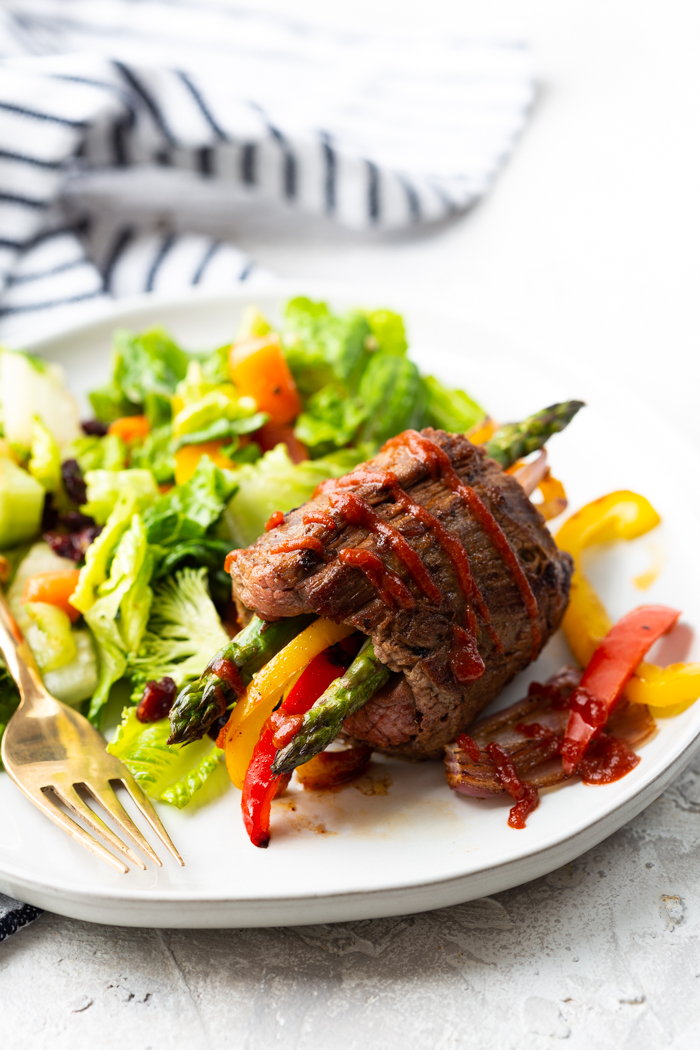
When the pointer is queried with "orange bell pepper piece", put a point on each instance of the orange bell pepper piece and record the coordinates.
(53, 588)
(130, 428)
(259, 369)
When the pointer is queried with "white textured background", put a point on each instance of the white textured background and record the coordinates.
(588, 248)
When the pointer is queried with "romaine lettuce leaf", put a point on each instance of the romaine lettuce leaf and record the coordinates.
(275, 483)
(167, 774)
(142, 365)
(187, 511)
(388, 331)
(451, 410)
(393, 396)
(156, 454)
(106, 487)
(118, 616)
(99, 453)
(324, 348)
(206, 552)
(330, 420)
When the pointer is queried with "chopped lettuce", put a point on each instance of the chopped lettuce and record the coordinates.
(29, 389)
(99, 555)
(106, 487)
(187, 511)
(9, 699)
(393, 396)
(451, 410)
(168, 774)
(388, 331)
(118, 616)
(252, 323)
(330, 420)
(156, 454)
(276, 483)
(206, 552)
(324, 348)
(142, 365)
(99, 453)
(183, 631)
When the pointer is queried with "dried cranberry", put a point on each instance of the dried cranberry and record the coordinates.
(74, 481)
(49, 517)
(74, 521)
(94, 428)
(158, 698)
(72, 544)
(61, 543)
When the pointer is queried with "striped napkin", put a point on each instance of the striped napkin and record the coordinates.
(372, 132)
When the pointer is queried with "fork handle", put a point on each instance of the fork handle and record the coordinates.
(18, 656)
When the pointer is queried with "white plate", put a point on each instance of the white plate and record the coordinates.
(398, 841)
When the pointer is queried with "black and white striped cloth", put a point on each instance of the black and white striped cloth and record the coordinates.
(371, 132)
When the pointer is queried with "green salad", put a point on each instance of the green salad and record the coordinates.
(114, 531)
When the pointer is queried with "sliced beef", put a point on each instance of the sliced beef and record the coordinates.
(423, 706)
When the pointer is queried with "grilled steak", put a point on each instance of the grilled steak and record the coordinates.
(436, 553)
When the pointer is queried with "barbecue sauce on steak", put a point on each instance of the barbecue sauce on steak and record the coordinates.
(368, 552)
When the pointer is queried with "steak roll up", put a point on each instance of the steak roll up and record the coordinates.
(438, 555)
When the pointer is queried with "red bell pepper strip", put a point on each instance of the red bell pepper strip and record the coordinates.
(608, 672)
(260, 785)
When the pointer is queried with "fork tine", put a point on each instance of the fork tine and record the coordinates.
(150, 814)
(66, 823)
(110, 803)
(70, 797)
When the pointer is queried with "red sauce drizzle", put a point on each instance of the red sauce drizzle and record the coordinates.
(303, 543)
(592, 710)
(606, 760)
(470, 747)
(389, 585)
(320, 517)
(450, 543)
(465, 660)
(227, 671)
(230, 558)
(274, 521)
(285, 727)
(526, 795)
(438, 463)
(358, 512)
(535, 731)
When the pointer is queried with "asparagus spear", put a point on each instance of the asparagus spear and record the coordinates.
(343, 697)
(515, 440)
(201, 702)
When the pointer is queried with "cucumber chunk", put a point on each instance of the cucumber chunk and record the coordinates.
(21, 504)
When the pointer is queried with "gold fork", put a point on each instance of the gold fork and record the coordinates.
(49, 749)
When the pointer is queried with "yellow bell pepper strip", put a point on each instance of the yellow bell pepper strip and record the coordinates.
(667, 690)
(242, 731)
(619, 515)
(608, 672)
